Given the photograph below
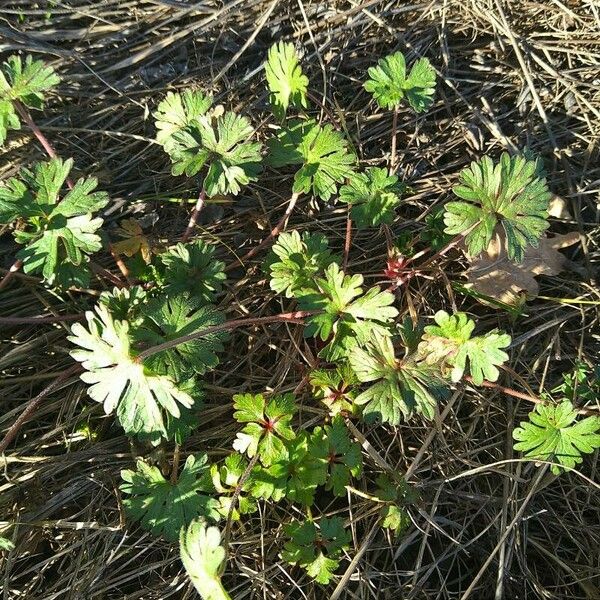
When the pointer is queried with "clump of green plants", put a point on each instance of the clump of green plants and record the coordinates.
(145, 349)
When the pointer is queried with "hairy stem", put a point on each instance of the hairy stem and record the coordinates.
(292, 317)
(394, 135)
(51, 152)
(521, 395)
(235, 497)
(194, 216)
(274, 233)
(348, 240)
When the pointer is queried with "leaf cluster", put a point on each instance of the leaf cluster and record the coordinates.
(58, 232)
(389, 82)
(22, 82)
(510, 194)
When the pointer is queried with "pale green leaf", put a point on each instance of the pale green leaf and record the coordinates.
(287, 84)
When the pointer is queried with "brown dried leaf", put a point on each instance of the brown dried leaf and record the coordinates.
(493, 275)
(134, 240)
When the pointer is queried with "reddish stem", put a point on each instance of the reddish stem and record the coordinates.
(293, 317)
(348, 240)
(39, 319)
(274, 232)
(44, 141)
(521, 395)
(49, 148)
(194, 216)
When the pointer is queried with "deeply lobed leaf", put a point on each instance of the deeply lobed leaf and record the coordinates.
(346, 316)
(373, 195)
(553, 433)
(58, 235)
(287, 83)
(164, 508)
(317, 551)
(25, 81)
(296, 261)
(322, 153)
(389, 84)
(450, 343)
(120, 382)
(510, 194)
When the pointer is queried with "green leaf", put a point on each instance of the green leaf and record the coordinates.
(204, 559)
(118, 380)
(553, 433)
(450, 343)
(124, 304)
(343, 456)
(59, 235)
(296, 261)
(25, 81)
(394, 515)
(267, 425)
(322, 153)
(226, 479)
(511, 194)
(398, 388)
(9, 119)
(317, 551)
(346, 315)
(6, 545)
(374, 196)
(222, 145)
(61, 253)
(178, 111)
(163, 507)
(395, 518)
(295, 474)
(171, 317)
(335, 387)
(193, 268)
(389, 84)
(287, 83)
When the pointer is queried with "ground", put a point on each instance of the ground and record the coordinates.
(514, 74)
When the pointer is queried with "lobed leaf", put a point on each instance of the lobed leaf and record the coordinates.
(118, 380)
(287, 83)
(389, 84)
(204, 558)
(510, 194)
(553, 433)
(162, 507)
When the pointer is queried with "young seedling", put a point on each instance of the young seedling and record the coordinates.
(389, 84)
(194, 139)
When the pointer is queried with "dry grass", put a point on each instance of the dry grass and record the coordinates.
(512, 74)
